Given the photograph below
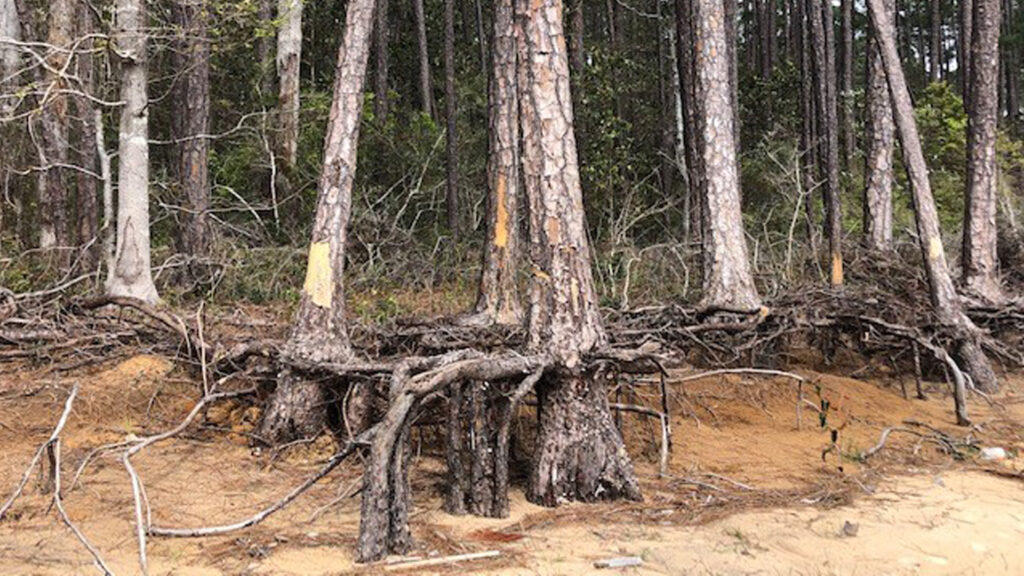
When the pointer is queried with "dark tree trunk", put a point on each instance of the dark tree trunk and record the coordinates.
(53, 197)
(846, 76)
(498, 301)
(945, 300)
(265, 50)
(765, 14)
(481, 37)
(451, 109)
(964, 49)
(576, 54)
(194, 114)
(1010, 65)
(808, 135)
(980, 261)
(88, 217)
(691, 138)
(935, 40)
(819, 13)
(728, 283)
(318, 333)
(381, 37)
(579, 454)
(426, 85)
(880, 141)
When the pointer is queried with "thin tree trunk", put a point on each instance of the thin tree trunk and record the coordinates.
(935, 40)
(728, 283)
(498, 301)
(579, 454)
(964, 52)
(481, 37)
(426, 86)
(193, 161)
(679, 122)
(808, 136)
(129, 274)
(88, 224)
(451, 112)
(1010, 65)
(289, 55)
(945, 300)
(318, 333)
(576, 54)
(880, 141)
(264, 50)
(691, 137)
(980, 261)
(846, 92)
(53, 201)
(381, 34)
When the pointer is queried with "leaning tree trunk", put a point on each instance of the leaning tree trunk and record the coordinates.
(823, 58)
(318, 333)
(423, 51)
(945, 300)
(498, 301)
(451, 112)
(728, 283)
(53, 198)
(579, 454)
(129, 274)
(880, 141)
(980, 261)
(193, 161)
(289, 55)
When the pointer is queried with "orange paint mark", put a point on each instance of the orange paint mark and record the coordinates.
(837, 269)
(501, 223)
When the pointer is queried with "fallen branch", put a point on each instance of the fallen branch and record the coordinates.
(441, 560)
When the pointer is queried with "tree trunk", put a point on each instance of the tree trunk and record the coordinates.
(680, 161)
(194, 109)
(728, 283)
(965, 46)
(426, 87)
(819, 13)
(53, 199)
(579, 454)
(945, 300)
(691, 136)
(1010, 66)
(263, 48)
(318, 333)
(808, 136)
(731, 42)
(980, 261)
(846, 96)
(935, 40)
(88, 224)
(381, 34)
(451, 111)
(481, 37)
(498, 301)
(129, 274)
(880, 140)
(10, 57)
(289, 56)
(576, 54)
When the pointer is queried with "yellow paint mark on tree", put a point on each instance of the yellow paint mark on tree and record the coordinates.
(934, 248)
(837, 269)
(319, 283)
(501, 225)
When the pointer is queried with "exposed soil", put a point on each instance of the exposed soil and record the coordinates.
(746, 493)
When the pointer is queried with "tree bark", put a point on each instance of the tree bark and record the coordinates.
(880, 135)
(194, 111)
(318, 333)
(819, 13)
(129, 274)
(451, 112)
(88, 216)
(966, 43)
(691, 136)
(808, 134)
(945, 300)
(576, 54)
(265, 15)
(935, 40)
(426, 86)
(728, 283)
(579, 454)
(1010, 65)
(498, 300)
(289, 56)
(381, 37)
(846, 75)
(53, 199)
(980, 261)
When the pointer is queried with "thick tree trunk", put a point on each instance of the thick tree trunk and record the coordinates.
(498, 301)
(289, 56)
(88, 224)
(728, 283)
(945, 300)
(819, 13)
(426, 86)
(194, 110)
(54, 232)
(935, 40)
(451, 112)
(846, 77)
(318, 333)
(880, 141)
(381, 37)
(980, 261)
(579, 453)
(129, 274)
(691, 136)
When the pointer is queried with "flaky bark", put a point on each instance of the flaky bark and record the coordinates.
(728, 283)
(318, 333)
(289, 55)
(194, 111)
(579, 454)
(945, 300)
(880, 140)
(451, 164)
(498, 300)
(980, 261)
(423, 51)
(129, 274)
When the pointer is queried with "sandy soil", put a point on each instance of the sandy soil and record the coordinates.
(747, 492)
